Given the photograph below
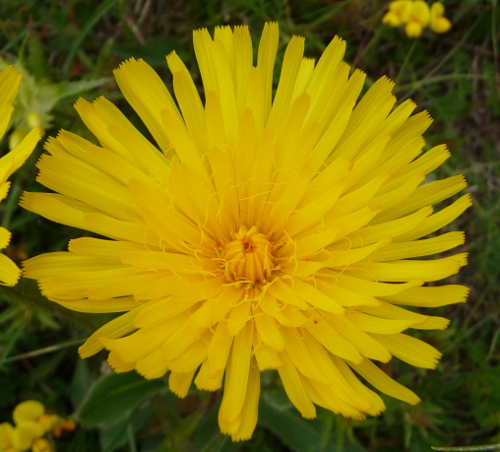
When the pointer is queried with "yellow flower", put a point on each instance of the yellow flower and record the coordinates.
(9, 86)
(19, 438)
(417, 15)
(34, 411)
(41, 445)
(262, 233)
(398, 14)
(7, 438)
(438, 23)
(418, 19)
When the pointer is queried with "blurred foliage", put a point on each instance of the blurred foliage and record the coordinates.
(455, 76)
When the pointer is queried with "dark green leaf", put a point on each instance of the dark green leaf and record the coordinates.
(300, 434)
(113, 395)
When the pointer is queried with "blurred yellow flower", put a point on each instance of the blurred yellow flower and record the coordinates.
(438, 23)
(265, 231)
(19, 438)
(10, 79)
(32, 422)
(41, 445)
(398, 14)
(416, 16)
(34, 411)
(418, 19)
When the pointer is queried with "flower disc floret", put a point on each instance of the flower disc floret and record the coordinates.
(283, 232)
(249, 257)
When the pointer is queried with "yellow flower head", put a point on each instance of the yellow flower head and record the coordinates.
(438, 23)
(417, 15)
(418, 18)
(10, 79)
(34, 411)
(261, 232)
(19, 438)
(398, 14)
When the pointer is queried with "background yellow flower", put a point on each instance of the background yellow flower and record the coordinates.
(10, 79)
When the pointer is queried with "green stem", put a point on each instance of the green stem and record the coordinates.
(27, 292)
(441, 78)
(405, 62)
(11, 203)
(131, 436)
(443, 60)
(107, 5)
(43, 351)
(470, 448)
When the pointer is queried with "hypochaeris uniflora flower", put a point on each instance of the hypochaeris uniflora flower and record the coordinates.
(10, 79)
(262, 232)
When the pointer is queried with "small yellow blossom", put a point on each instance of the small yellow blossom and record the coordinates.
(416, 16)
(438, 23)
(7, 438)
(19, 438)
(32, 423)
(34, 411)
(418, 20)
(398, 14)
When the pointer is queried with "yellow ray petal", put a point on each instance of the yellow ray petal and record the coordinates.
(364, 343)
(409, 349)
(399, 271)
(116, 328)
(268, 47)
(405, 250)
(9, 271)
(294, 388)
(420, 322)
(237, 375)
(378, 378)
(430, 297)
(333, 341)
(180, 382)
(144, 90)
(269, 331)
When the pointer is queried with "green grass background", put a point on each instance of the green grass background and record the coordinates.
(454, 76)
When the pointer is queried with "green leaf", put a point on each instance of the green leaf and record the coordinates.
(81, 382)
(208, 437)
(113, 395)
(72, 89)
(300, 434)
(115, 436)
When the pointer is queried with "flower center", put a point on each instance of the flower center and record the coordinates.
(249, 257)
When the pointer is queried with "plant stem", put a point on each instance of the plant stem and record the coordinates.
(27, 292)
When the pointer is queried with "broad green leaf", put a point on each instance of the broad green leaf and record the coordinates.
(113, 395)
(299, 434)
(115, 436)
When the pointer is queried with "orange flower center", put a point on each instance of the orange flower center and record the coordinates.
(249, 257)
